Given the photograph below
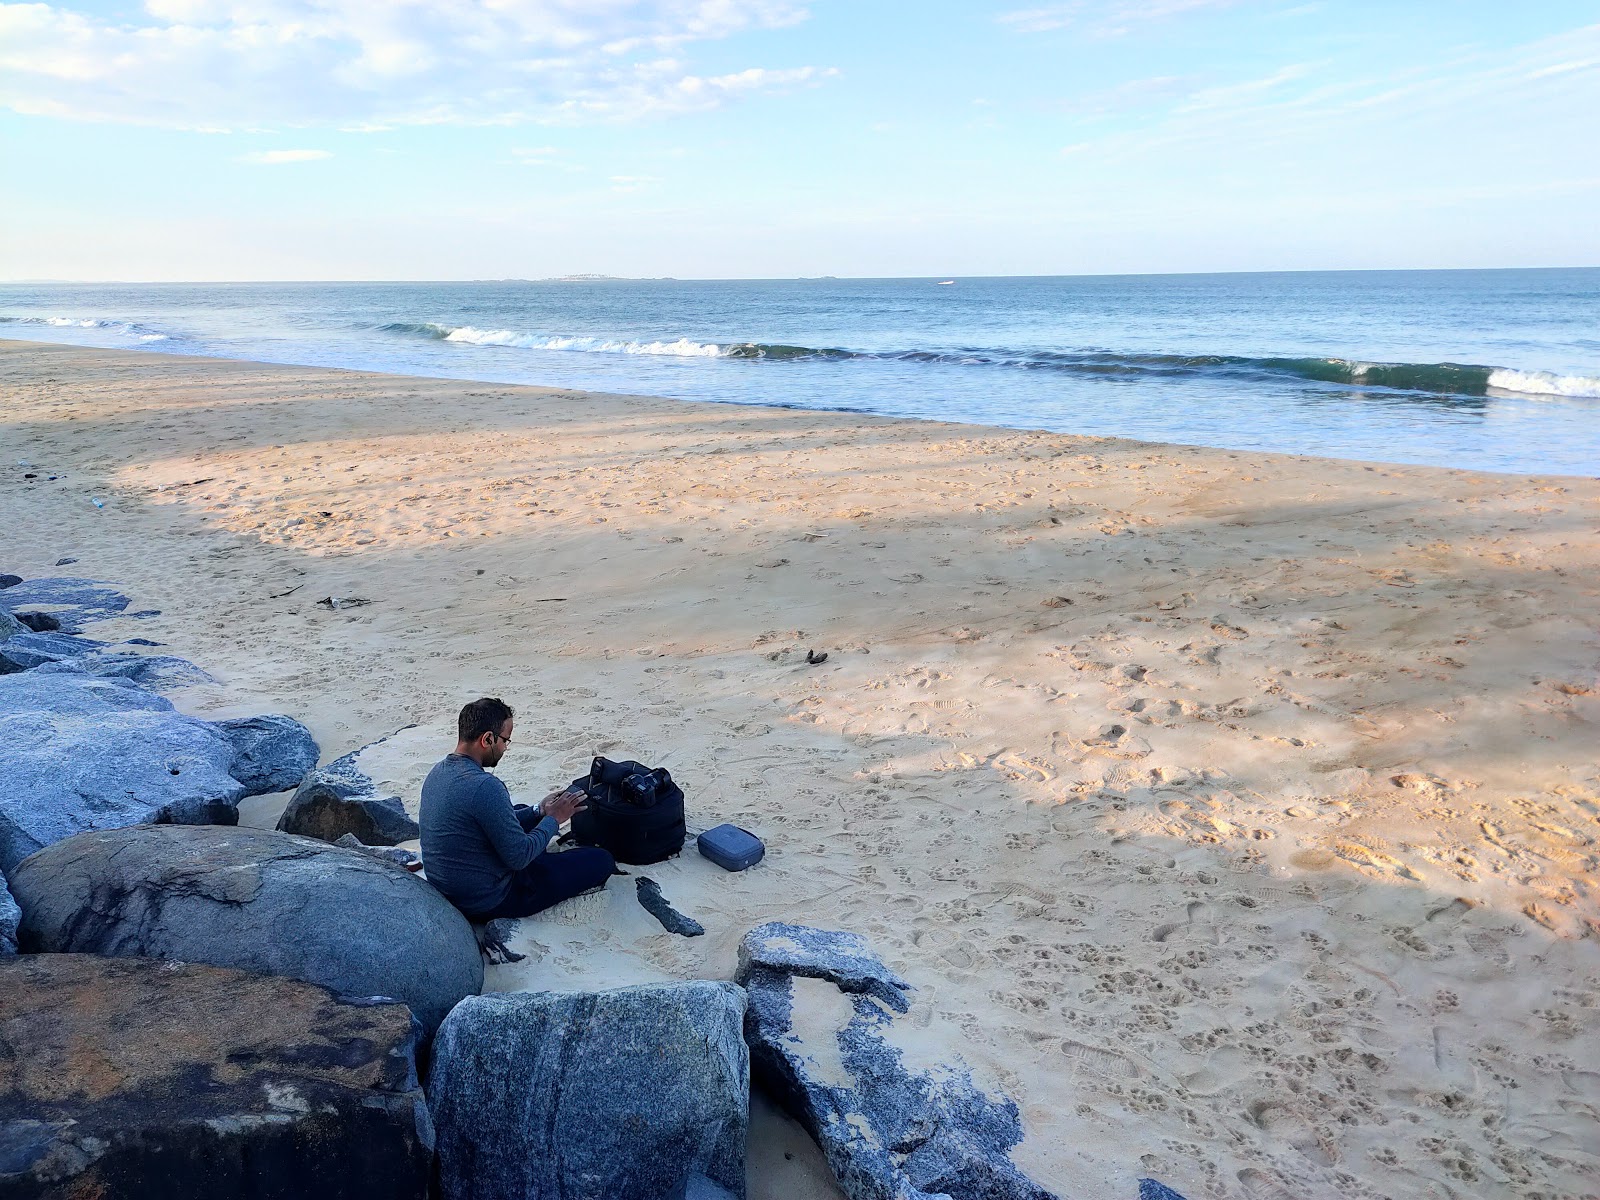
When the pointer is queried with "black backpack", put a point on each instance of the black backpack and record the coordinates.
(634, 812)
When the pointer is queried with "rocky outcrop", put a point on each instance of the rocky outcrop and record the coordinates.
(25, 648)
(157, 672)
(635, 1094)
(252, 899)
(271, 753)
(72, 602)
(340, 798)
(10, 626)
(10, 915)
(84, 753)
(395, 855)
(132, 1078)
(73, 653)
(1151, 1189)
(888, 1131)
(7, 581)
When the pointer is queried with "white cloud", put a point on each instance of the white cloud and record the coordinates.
(354, 63)
(273, 157)
(1100, 19)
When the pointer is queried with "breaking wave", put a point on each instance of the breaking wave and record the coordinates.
(1451, 379)
(140, 332)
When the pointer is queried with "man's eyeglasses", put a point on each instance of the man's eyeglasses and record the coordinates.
(504, 741)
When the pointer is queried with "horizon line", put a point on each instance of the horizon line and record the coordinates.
(580, 277)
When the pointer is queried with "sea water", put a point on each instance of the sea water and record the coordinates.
(1488, 370)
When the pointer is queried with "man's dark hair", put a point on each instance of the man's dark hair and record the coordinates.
(481, 717)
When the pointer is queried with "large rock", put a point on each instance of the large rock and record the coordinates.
(132, 1078)
(10, 627)
(271, 753)
(29, 649)
(157, 672)
(84, 753)
(10, 915)
(636, 1094)
(7, 581)
(340, 798)
(73, 602)
(252, 899)
(820, 1004)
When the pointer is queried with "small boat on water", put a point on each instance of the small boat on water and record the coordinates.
(945, 283)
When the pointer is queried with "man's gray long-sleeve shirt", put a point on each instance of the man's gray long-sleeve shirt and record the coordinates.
(472, 840)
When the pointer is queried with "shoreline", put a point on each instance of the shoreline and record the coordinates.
(1233, 812)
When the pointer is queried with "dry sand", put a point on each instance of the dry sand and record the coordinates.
(1235, 813)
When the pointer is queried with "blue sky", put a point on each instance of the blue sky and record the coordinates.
(327, 139)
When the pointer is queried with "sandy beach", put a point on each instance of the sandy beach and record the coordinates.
(1236, 814)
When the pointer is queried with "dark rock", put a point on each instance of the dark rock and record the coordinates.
(133, 1079)
(390, 854)
(635, 1094)
(157, 672)
(88, 753)
(71, 601)
(1149, 1189)
(10, 915)
(30, 649)
(843, 959)
(39, 622)
(65, 562)
(889, 1132)
(340, 798)
(271, 753)
(252, 899)
(86, 655)
(494, 939)
(7, 581)
(11, 626)
(673, 921)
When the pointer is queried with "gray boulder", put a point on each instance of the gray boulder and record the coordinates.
(641, 1093)
(137, 1079)
(271, 753)
(889, 1132)
(29, 649)
(10, 916)
(83, 753)
(157, 672)
(7, 581)
(10, 627)
(252, 899)
(340, 798)
(73, 602)
(71, 653)
(390, 854)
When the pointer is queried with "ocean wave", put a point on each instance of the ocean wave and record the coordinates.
(139, 332)
(1449, 379)
(1546, 383)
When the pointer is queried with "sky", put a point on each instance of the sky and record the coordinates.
(470, 139)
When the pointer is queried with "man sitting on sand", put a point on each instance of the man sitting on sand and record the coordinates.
(486, 855)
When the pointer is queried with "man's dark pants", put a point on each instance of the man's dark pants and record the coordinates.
(551, 877)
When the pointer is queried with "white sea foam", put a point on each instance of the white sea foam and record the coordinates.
(1545, 383)
(123, 327)
(682, 348)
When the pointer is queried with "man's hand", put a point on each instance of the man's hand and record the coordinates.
(561, 805)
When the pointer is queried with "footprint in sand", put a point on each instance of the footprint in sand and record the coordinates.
(1258, 1185)
(1101, 1062)
(1283, 1124)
